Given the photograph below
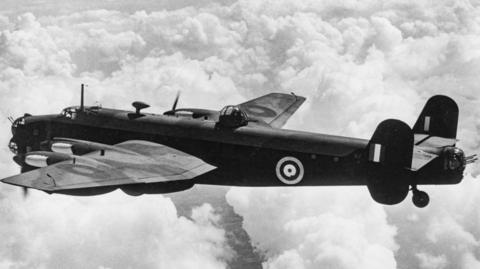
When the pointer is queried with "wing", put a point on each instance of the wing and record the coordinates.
(130, 162)
(274, 109)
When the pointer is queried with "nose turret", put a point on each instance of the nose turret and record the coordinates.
(29, 134)
(19, 133)
(17, 124)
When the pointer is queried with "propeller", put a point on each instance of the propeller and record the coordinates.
(172, 111)
(25, 192)
(176, 101)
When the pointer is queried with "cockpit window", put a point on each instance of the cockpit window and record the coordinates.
(69, 112)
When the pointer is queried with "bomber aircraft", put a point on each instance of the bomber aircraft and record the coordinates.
(91, 150)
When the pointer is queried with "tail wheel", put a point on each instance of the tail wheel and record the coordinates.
(420, 198)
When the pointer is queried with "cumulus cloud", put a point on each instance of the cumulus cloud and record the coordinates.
(357, 62)
(114, 231)
(305, 228)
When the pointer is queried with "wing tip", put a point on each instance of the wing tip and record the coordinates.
(27, 180)
(291, 94)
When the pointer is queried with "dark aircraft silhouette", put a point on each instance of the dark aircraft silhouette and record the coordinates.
(94, 150)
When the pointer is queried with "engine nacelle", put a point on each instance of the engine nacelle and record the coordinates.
(61, 147)
(45, 158)
(75, 147)
(88, 191)
(156, 188)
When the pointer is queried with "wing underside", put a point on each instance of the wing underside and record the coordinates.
(130, 162)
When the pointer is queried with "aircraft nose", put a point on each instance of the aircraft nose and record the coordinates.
(19, 134)
(19, 123)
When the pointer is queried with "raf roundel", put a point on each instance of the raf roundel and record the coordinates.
(289, 170)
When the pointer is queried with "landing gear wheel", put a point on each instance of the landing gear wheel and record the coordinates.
(420, 198)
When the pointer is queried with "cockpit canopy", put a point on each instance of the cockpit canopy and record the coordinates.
(232, 116)
(70, 112)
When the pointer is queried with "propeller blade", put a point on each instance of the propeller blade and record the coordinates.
(25, 192)
(176, 101)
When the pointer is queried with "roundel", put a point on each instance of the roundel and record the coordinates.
(289, 170)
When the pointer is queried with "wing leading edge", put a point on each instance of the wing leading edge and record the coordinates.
(274, 108)
(130, 162)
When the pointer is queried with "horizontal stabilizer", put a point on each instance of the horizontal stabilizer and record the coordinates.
(421, 158)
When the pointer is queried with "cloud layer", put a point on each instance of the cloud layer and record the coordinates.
(316, 228)
(357, 62)
(113, 231)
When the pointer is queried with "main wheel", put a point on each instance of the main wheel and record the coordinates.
(420, 199)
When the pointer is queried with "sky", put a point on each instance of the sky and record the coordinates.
(357, 62)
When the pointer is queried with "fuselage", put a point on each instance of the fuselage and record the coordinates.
(245, 156)
(93, 150)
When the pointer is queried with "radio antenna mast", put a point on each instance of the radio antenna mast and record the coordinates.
(81, 96)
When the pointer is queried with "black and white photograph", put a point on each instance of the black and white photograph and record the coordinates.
(239, 134)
